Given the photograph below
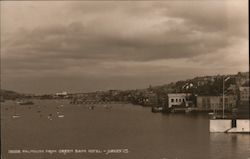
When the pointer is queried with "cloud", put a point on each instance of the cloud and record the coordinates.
(122, 39)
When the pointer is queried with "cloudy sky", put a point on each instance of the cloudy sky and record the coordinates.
(85, 46)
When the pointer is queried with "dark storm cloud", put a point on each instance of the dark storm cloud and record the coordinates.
(203, 29)
(77, 41)
(127, 40)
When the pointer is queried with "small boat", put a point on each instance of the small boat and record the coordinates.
(188, 110)
(211, 113)
(25, 103)
(156, 109)
(50, 116)
(16, 116)
(91, 107)
(61, 116)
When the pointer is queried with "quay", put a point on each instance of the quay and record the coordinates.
(229, 125)
(238, 123)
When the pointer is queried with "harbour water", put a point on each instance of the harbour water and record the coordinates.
(125, 131)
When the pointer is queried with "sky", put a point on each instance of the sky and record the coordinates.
(82, 46)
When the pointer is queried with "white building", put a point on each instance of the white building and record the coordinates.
(176, 99)
(64, 93)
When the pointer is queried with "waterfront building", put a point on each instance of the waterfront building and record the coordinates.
(150, 99)
(216, 102)
(177, 99)
(244, 93)
(243, 109)
(63, 94)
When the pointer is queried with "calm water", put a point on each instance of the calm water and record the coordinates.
(133, 131)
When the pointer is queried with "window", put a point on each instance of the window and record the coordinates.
(179, 100)
(172, 100)
(183, 100)
(176, 100)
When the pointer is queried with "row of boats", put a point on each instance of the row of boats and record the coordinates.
(59, 113)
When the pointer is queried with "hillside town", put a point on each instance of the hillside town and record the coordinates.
(124, 79)
(207, 93)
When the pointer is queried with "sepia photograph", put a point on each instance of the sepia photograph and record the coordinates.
(124, 79)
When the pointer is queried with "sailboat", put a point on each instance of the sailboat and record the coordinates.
(50, 116)
(15, 114)
(59, 113)
(213, 114)
(60, 116)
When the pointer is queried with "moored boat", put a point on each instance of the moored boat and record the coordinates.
(25, 103)
(156, 109)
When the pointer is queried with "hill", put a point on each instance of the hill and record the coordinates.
(10, 95)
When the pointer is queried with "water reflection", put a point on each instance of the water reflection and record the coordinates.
(147, 135)
(230, 146)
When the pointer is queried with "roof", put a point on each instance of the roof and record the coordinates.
(177, 94)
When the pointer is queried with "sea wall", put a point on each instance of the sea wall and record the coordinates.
(225, 125)
(243, 125)
(219, 125)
